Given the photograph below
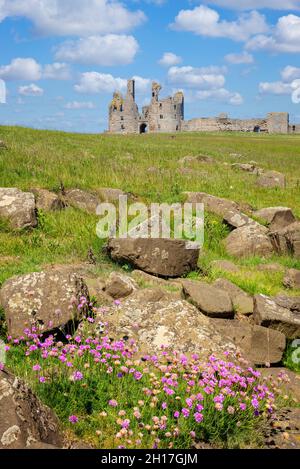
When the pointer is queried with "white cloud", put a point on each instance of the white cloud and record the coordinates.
(56, 71)
(94, 82)
(80, 105)
(31, 90)
(21, 69)
(169, 59)
(275, 87)
(205, 21)
(2, 92)
(222, 95)
(200, 78)
(73, 17)
(236, 59)
(250, 4)
(106, 50)
(285, 37)
(290, 73)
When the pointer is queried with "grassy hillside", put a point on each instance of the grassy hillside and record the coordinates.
(46, 159)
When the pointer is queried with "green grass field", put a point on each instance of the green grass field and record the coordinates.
(46, 159)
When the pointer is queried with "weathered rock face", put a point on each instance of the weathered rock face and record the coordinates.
(163, 257)
(272, 267)
(292, 279)
(225, 266)
(258, 344)
(249, 240)
(18, 208)
(119, 285)
(273, 313)
(236, 219)
(248, 167)
(213, 204)
(287, 240)
(110, 195)
(42, 299)
(25, 423)
(148, 280)
(242, 302)
(83, 200)
(48, 201)
(154, 319)
(210, 300)
(277, 217)
(271, 179)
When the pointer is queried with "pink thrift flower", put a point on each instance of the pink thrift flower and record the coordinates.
(113, 403)
(36, 368)
(73, 419)
(198, 417)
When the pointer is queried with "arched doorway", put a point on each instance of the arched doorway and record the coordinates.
(256, 129)
(143, 128)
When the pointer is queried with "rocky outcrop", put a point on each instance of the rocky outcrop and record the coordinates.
(249, 240)
(119, 285)
(210, 300)
(157, 256)
(25, 423)
(276, 217)
(242, 302)
(280, 313)
(48, 201)
(258, 344)
(45, 299)
(248, 167)
(18, 208)
(216, 205)
(82, 199)
(287, 240)
(292, 279)
(110, 195)
(271, 179)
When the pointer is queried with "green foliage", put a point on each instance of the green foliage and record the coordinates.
(292, 356)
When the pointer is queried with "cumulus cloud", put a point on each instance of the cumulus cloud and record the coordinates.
(94, 82)
(222, 95)
(80, 105)
(108, 50)
(2, 92)
(290, 73)
(256, 4)
(290, 84)
(56, 71)
(275, 87)
(285, 37)
(205, 21)
(31, 90)
(21, 69)
(169, 59)
(191, 77)
(236, 59)
(73, 17)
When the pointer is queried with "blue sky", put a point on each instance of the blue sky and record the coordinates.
(62, 59)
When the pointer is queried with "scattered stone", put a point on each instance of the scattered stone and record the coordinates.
(153, 319)
(236, 219)
(119, 285)
(271, 268)
(242, 302)
(216, 205)
(197, 159)
(258, 344)
(43, 299)
(2, 145)
(83, 200)
(96, 288)
(270, 312)
(210, 300)
(292, 279)
(267, 214)
(249, 240)
(157, 256)
(145, 279)
(108, 194)
(271, 179)
(48, 201)
(225, 266)
(18, 208)
(24, 421)
(248, 167)
(287, 240)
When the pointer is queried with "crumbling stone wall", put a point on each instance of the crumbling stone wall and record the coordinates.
(124, 113)
(224, 124)
(278, 122)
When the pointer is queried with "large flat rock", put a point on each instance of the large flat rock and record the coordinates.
(209, 299)
(18, 208)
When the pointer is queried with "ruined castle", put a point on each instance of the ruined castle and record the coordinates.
(167, 115)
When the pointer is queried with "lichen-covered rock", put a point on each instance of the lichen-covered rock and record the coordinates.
(83, 200)
(277, 313)
(276, 217)
(258, 344)
(292, 279)
(242, 302)
(237, 219)
(287, 240)
(18, 208)
(216, 205)
(25, 423)
(47, 200)
(249, 240)
(210, 300)
(108, 194)
(44, 299)
(157, 256)
(119, 285)
(271, 179)
(154, 318)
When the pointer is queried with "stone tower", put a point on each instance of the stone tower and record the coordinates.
(123, 112)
